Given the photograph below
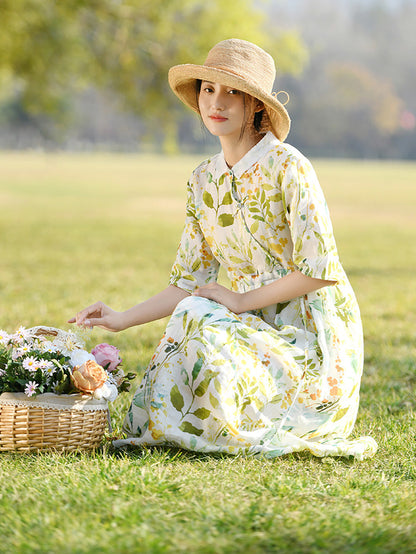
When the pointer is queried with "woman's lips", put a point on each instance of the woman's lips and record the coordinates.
(217, 118)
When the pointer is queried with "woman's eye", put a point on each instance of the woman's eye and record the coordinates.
(234, 91)
(208, 89)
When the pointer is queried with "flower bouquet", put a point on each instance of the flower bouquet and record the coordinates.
(53, 393)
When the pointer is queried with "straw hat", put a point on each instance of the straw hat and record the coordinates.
(239, 64)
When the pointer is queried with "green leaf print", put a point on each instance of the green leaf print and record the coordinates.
(176, 398)
(265, 171)
(157, 405)
(340, 414)
(225, 220)
(185, 317)
(236, 259)
(214, 401)
(254, 227)
(191, 327)
(321, 245)
(339, 298)
(243, 333)
(281, 306)
(197, 368)
(187, 427)
(317, 304)
(249, 270)
(139, 400)
(201, 413)
(276, 197)
(202, 388)
(227, 199)
(277, 398)
(208, 200)
(196, 265)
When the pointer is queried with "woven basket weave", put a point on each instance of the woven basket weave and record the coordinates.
(51, 422)
(65, 422)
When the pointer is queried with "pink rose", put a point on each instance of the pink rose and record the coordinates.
(107, 356)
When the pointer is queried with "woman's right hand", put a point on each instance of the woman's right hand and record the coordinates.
(99, 315)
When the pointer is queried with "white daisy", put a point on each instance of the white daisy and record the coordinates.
(46, 366)
(4, 338)
(17, 353)
(47, 346)
(31, 387)
(26, 347)
(31, 363)
(21, 336)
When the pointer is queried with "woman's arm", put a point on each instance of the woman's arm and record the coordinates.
(156, 307)
(291, 286)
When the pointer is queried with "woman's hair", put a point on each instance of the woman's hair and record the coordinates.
(258, 116)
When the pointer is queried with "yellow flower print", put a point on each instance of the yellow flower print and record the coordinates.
(156, 433)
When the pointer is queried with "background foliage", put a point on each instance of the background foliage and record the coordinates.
(51, 49)
(93, 74)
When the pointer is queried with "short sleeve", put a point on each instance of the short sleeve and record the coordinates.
(314, 248)
(195, 264)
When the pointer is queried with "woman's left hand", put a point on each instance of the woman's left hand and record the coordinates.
(231, 300)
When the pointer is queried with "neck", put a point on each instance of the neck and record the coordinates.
(234, 149)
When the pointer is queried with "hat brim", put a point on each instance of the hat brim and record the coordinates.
(182, 80)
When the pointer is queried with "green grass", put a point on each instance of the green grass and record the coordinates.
(77, 228)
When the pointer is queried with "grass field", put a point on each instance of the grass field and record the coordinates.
(78, 228)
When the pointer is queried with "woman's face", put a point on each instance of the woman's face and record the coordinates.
(222, 109)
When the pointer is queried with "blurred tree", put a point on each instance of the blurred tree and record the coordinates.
(349, 112)
(48, 49)
(356, 91)
(355, 97)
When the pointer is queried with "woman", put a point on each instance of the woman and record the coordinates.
(273, 365)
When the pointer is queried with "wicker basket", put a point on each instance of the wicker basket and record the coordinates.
(65, 422)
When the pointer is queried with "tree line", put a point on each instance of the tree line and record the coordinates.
(94, 73)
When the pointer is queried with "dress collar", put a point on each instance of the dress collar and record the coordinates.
(249, 159)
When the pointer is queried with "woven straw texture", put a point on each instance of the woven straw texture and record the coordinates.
(35, 428)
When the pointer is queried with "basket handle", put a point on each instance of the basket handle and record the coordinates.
(41, 331)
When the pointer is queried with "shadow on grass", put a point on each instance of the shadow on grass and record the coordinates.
(173, 454)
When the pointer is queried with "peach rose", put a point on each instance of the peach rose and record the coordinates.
(89, 376)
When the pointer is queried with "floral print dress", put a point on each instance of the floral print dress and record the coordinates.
(268, 382)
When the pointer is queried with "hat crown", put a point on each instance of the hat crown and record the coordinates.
(244, 59)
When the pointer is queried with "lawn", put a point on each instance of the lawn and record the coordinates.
(80, 228)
